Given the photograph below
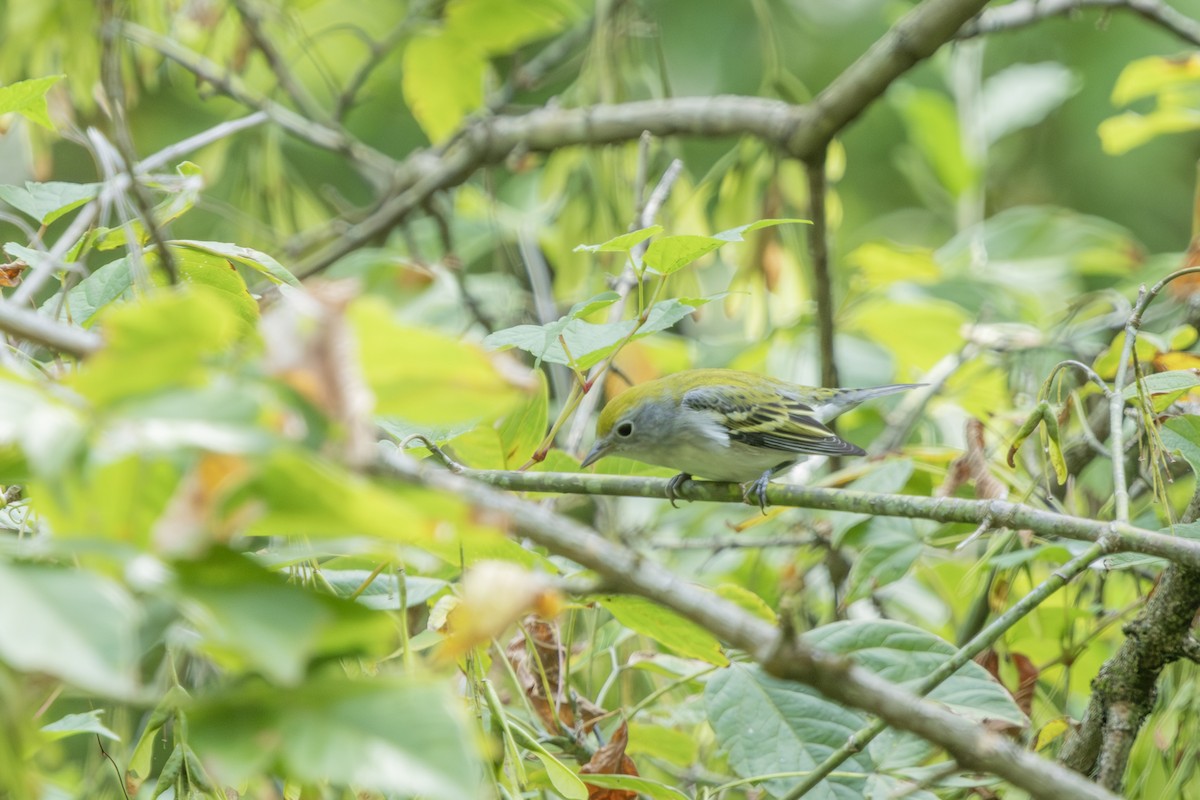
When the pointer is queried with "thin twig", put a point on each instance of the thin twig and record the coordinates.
(1116, 536)
(1027, 12)
(114, 88)
(1117, 398)
(818, 253)
(718, 543)
(373, 165)
(253, 24)
(41, 329)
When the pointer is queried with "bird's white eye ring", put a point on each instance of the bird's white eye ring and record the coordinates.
(625, 429)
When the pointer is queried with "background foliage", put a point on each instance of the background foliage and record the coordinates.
(207, 582)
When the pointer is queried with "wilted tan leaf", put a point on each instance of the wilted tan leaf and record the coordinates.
(538, 659)
(611, 760)
(972, 466)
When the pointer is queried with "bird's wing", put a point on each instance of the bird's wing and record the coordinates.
(769, 419)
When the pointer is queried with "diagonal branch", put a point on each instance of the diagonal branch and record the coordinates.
(970, 744)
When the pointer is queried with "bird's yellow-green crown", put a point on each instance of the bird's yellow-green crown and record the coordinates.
(619, 405)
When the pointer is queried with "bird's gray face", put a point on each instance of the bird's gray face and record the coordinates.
(630, 435)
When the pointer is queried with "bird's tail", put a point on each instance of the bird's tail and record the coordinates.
(845, 399)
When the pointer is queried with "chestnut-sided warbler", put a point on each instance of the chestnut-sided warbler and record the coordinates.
(726, 425)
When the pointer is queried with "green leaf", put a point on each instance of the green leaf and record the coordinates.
(905, 655)
(885, 263)
(747, 600)
(295, 493)
(442, 81)
(671, 745)
(766, 725)
(158, 343)
(1182, 435)
(735, 234)
(46, 202)
(1151, 76)
(256, 260)
(48, 428)
(522, 430)
(383, 592)
(665, 627)
(672, 253)
(922, 345)
(633, 783)
(423, 376)
(120, 500)
(198, 267)
(28, 98)
(1163, 382)
(1129, 130)
(499, 26)
(1041, 249)
(932, 124)
(1163, 388)
(72, 624)
(84, 300)
(589, 343)
(249, 618)
(565, 782)
(74, 724)
(887, 550)
(622, 243)
(1023, 95)
(762, 722)
(402, 735)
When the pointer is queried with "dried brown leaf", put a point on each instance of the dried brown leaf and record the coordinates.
(611, 760)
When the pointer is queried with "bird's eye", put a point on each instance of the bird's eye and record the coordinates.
(625, 429)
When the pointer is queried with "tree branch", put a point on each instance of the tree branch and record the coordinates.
(1124, 690)
(370, 163)
(818, 251)
(39, 328)
(797, 131)
(1027, 12)
(1115, 536)
(971, 744)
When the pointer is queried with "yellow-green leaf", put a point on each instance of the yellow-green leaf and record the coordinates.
(665, 627)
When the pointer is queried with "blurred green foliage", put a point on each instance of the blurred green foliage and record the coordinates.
(202, 570)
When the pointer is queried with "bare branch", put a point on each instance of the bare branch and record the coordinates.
(373, 165)
(254, 26)
(818, 251)
(1027, 12)
(34, 327)
(1116, 537)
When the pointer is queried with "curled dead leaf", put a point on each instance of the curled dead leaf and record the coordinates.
(539, 659)
(611, 760)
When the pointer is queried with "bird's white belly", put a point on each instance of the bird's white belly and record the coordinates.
(715, 461)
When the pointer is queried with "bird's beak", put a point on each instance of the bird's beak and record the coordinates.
(598, 451)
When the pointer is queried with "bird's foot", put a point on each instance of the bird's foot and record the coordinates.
(673, 487)
(755, 492)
